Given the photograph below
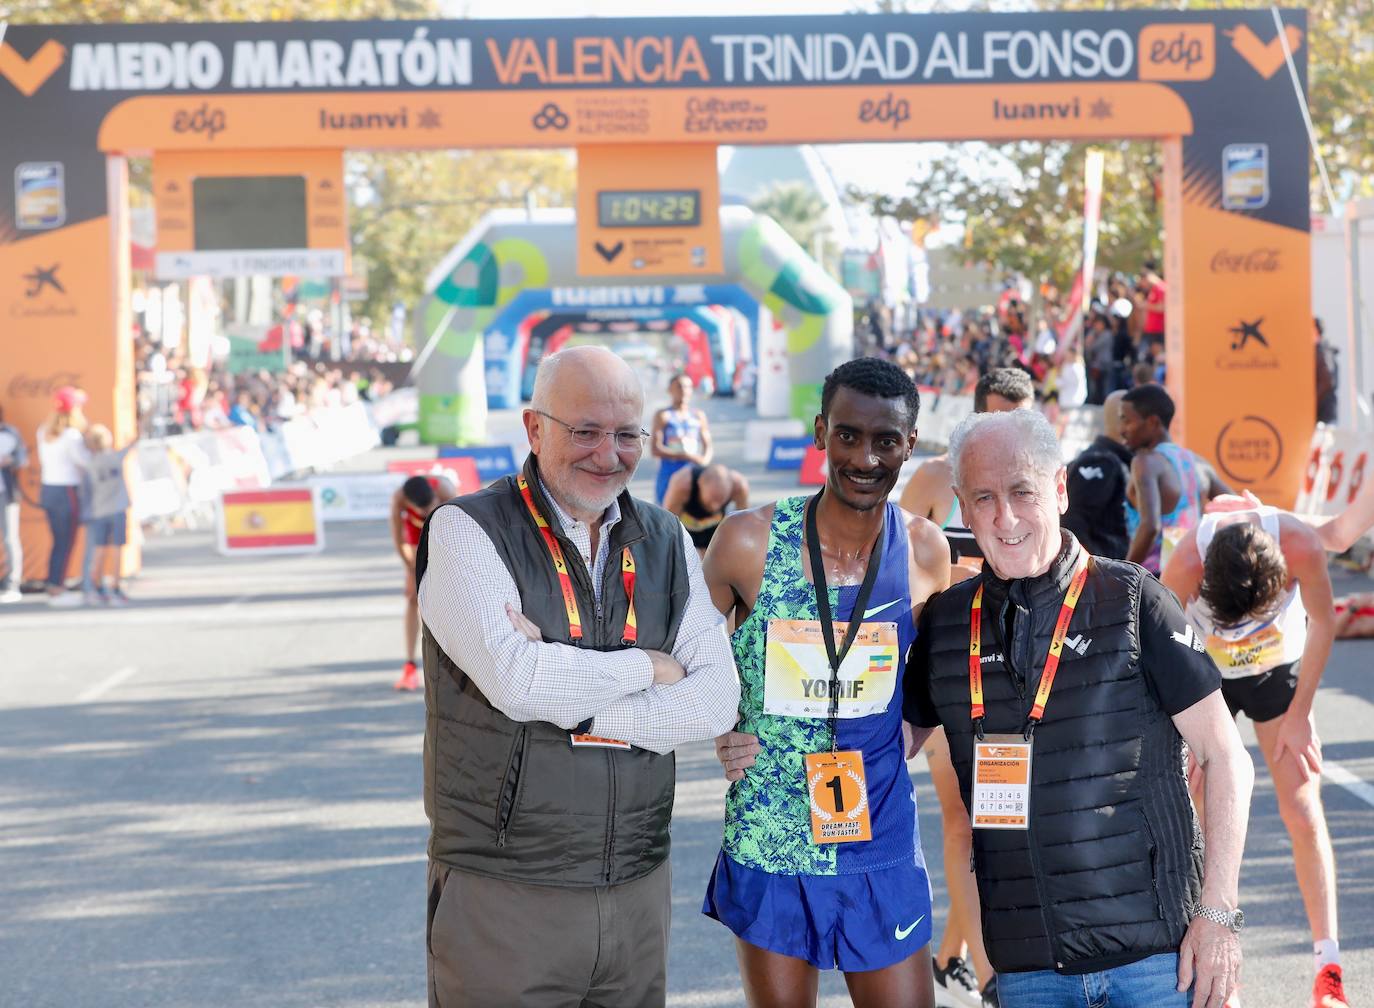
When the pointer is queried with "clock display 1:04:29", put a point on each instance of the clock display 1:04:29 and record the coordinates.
(649, 208)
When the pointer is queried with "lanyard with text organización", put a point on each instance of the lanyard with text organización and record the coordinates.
(560, 565)
(1061, 630)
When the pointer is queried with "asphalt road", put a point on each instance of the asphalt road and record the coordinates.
(212, 798)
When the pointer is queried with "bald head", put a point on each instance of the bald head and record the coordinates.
(585, 369)
(1111, 414)
(580, 393)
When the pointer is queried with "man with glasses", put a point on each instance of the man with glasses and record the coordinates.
(570, 645)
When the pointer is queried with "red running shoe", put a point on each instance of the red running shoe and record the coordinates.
(1328, 991)
(410, 678)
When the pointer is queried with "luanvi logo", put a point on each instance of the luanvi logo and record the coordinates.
(28, 75)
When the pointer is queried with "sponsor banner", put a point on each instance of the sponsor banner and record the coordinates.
(356, 496)
(461, 472)
(284, 520)
(492, 461)
(789, 452)
(813, 470)
(301, 262)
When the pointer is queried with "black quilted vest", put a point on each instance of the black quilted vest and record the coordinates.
(515, 800)
(1113, 854)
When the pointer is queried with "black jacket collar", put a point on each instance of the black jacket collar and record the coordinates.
(1102, 443)
(1046, 589)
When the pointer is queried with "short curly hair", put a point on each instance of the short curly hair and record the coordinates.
(1244, 574)
(872, 376)
(1012, 384)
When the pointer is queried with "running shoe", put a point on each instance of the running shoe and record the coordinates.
(410, 678)
(116, 597)
(990, 993)
(955, 986)
(10, 595)
(1328, 991)
(65, 600)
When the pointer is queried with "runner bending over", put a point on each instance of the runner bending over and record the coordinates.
(410, 506)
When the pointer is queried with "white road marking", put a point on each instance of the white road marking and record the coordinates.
(108, 683)
(1338, 774)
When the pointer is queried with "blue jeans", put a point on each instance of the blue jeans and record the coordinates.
(63, 509)
(1149, 983)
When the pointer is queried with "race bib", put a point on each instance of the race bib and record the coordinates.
(796, 674)
(837, 789)
(1001, 782)
(1251, 655)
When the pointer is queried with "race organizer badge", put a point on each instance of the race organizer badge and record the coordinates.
(1001, 782)
(838, 793)
(595, 742)
(796, 671)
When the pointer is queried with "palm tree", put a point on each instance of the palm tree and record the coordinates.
(801, 212)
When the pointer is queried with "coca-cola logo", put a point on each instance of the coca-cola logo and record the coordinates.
(1260, 260)
(27, 386)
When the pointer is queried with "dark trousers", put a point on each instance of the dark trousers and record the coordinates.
(494, 943)
(62, 507)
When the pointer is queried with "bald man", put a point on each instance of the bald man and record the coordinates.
(570, 645)
(1098, 477)
(702, 495)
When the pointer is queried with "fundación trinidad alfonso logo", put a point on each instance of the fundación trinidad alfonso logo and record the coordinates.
(28, 75)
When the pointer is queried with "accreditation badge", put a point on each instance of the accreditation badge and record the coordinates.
(1001, 782)
(797, 677)
(837, 790)
(595, 742)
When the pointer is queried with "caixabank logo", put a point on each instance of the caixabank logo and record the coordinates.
(44, 294)
(1247, 347)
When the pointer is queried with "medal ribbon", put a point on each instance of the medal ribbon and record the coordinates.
(560, 566)
(1061, 630)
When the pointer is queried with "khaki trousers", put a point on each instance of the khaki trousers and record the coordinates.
(499, 944)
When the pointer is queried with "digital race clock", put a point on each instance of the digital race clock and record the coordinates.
(649, 208)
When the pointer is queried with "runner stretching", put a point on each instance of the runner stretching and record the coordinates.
(1255, 587)
(701, 497)
(821, 867)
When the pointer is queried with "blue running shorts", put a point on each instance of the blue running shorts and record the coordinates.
(859, 922)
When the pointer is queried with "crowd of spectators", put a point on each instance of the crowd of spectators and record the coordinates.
(176, 397)
(1119, 344)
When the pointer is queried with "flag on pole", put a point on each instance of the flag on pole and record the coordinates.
(283, 520)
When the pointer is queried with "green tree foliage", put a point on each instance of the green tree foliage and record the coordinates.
(412, 208)
(800, 211)
(1023, 202)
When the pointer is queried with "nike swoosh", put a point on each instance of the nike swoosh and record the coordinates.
(877, 609)
(901, 933)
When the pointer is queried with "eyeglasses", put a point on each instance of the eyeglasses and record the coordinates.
(592, 437)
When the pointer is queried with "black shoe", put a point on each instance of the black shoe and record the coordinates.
(990, 993)
(954, 985)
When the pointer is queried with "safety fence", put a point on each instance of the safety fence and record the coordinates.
(181, 477)
(1338, 464)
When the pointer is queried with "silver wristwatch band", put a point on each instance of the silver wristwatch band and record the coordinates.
(1232, 919)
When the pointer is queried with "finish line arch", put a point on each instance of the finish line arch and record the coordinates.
(511, 254)
(645, 96)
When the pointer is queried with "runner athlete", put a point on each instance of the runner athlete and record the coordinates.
(1169, 484)
(681, 435)
(930, 493)
(701, 496)
(821, 864)
(1254, 584)
(416, 499)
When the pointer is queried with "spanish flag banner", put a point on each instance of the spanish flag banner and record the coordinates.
(270, 521)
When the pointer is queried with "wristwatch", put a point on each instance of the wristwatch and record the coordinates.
(1232, 919)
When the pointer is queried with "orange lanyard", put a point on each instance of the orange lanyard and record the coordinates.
(1061, 630)
(560, 566)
